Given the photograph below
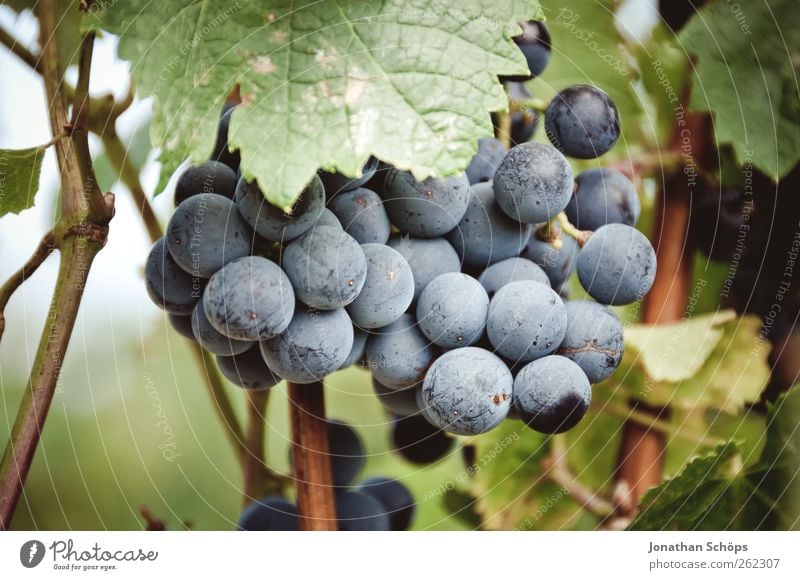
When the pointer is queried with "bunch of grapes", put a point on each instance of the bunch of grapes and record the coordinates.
(449, 290)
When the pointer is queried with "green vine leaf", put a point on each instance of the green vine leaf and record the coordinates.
(746, 74)
(716, 492)
(19, 178)
(714, 360)
(323, 84)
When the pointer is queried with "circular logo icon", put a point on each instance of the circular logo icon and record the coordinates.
(31, 553)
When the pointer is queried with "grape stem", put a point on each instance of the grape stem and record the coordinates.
(525, 106)
(80, 234)
(557, 470)
(551, 230)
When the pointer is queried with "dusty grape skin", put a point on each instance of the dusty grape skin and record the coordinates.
(210, 339)
(362, 215)
(356, 355)
(169, 286)
(248, 370)
(485, 234)
(533, 183)
(603, 196)
(205, 233)
(485, 162)
(399, 354)
(269, 514)
(582, 122)
(551, 394)
(346, 452)
(336, 183)
(452, 310)
(402, 403)
(328, 218)
(558, 263)
(273, 223)
(468, 391)
(427, 258)
(416, 439)
(208, 177)
(326, 266)
(395, 498)
(617, 265)
(523, 122)
(359, 512)
(388, 290)
(316, 343)
(527, 320)
(594, 339)
(249, 299)
(221, 152)
(427, 209)
(510, 270)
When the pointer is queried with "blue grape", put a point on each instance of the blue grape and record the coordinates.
(552, 394)
(358, 351)
(205, 233)
(362, 215)
(527, 320)
(269, 514)
(416, 440)
(336, 183)
(427, 258)
(221, 152)
(395, 498)
(210, 339)
(182, 325)
(249, 299)
(582, 122)
(273, 223)
(328, 218)
(593, 339)
(316, 343)
(169, 286)
(511, 270)
(486, 234)
(327, 268)
(558, 263)
(603, 196)
(402, 403)
(399, 354)
(524, 120)
(359, 512)
(533, 183)
(208, 177)
(482, 167)
(452, 310)
(535, 43)
(248, 370)
(617, 265)
(426, 209)
(468, 391)
(388, 290)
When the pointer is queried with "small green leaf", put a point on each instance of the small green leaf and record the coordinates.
(712, 360)
(323, 84)
(746, 74)
(19, 178)
(716, 492)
